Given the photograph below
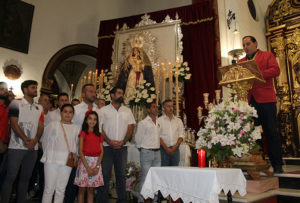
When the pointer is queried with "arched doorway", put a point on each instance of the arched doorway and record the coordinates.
(66, 67)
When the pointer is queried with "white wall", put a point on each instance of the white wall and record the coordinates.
(245, 24)
(59, 23)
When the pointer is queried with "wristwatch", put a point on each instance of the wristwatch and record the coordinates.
(98, 166)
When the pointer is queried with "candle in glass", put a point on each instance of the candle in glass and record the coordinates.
(101, 80)
(218, 96)
(205, 96)
(84, 80)
(163, 83)
(170, 82)
(201, 158)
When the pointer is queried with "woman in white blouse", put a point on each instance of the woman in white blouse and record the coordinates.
(56, 153)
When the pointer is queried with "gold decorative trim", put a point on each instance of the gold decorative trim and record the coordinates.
(198, 21)
(185, 24)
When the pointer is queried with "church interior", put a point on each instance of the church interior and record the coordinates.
(65, 44)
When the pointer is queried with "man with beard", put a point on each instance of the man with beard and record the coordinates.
(88, 94)
(117, 123)
(27, 124)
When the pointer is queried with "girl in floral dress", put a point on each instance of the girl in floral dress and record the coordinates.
(89, 172)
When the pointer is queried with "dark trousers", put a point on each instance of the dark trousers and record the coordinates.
(268, 120)
(71, 189)
(37, 179)
(118, 159)
(23, 160)
(169, 159)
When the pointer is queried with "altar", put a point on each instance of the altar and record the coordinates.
(197, 185)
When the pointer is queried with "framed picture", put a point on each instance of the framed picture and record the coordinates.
(15, 25)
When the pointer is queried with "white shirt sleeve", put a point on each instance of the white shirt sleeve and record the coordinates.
(180, 129)
(139, 133)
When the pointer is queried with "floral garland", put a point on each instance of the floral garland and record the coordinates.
(143, 94)
(229, 130)
(107, 87)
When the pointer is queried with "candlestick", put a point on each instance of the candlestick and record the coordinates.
(101, 80)
(163, 83)
(177, 93)
(170, 82)
(210, 105)
(71, 92)
(201, 158)
(157, 84)
(96, 77)
(205, 96)
(84, 80)
(218, 96)
(199, 111)
(90, 77)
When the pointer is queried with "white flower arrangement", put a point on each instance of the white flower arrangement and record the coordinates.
(107, 87)
(229, 130)
(143, 94)
(184, 73)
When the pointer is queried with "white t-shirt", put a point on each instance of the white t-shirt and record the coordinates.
(54, 144)
(54, 115)
(147, 134)
(115, 123)
(170, 130)
(29, 116)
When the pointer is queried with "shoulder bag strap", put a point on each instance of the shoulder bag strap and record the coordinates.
(65, 135)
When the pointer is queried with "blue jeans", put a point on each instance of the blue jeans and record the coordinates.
(118, 159)
(148, 158)
(169, 159)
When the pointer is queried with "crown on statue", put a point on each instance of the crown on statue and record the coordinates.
(137, 41)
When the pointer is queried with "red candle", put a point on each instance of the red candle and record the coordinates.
(201, 158)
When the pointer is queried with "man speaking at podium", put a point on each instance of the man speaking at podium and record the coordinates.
(263, 98)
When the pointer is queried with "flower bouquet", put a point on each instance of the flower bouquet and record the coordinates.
(229, 130)
(143, 94)
(104, 92)
(184, 73)
(132, 178)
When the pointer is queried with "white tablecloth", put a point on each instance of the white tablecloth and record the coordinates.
(191, 184)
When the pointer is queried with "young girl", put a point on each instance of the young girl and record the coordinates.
(56, 154)
(89, 173)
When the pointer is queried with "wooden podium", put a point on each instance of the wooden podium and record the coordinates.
(240, 77)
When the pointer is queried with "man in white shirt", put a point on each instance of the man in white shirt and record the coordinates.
(171, 135)
(148, 141)
(62, 98)
(117, 126)
(27, 125)
(88, 95)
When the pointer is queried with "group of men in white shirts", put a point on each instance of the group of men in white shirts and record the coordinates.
(158, 139)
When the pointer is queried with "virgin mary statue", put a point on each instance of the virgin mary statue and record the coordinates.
(134, 70)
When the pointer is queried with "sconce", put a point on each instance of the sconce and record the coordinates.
(12, 71)
(230, 18)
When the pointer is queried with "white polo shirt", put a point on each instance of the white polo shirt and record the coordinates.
(80, 110)
(170, 130)
(147, 134)
(115, 123)
(29, 116)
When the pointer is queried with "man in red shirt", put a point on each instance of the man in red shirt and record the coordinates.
(263, 98)
(3, 118)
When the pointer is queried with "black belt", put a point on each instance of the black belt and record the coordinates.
(152, 149)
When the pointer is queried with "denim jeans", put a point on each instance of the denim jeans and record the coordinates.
(169, 159)
(148, 158)
(118, 159)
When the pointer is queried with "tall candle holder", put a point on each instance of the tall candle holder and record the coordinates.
(208, 105)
